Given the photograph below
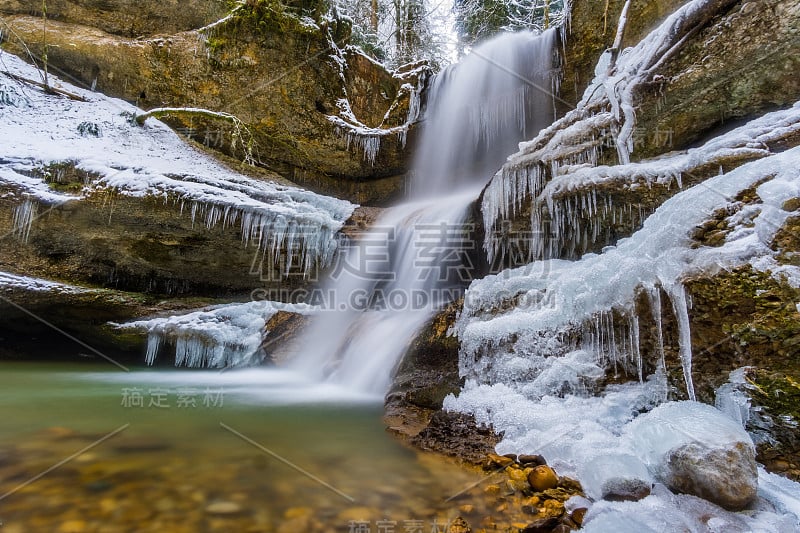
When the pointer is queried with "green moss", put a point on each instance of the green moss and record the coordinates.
(62, 176)
(778, 393)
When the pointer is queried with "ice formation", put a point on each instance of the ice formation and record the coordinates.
(221, 336)
(24, 215)
(533, 339)
(570, 205)
(571, 147)
(152, 161)
(574, 301)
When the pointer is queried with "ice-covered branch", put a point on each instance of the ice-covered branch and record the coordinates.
(223, 20)
(241, 134)
(160, 112)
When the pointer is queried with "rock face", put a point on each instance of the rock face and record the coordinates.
(592, 28)
(128, 18)
(284, 71)
(694, 448)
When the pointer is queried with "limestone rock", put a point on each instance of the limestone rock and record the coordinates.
(233, 68)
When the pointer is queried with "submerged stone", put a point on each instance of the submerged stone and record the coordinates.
(223, 508)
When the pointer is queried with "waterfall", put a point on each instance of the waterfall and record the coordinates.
(391, 280)
(478, 111)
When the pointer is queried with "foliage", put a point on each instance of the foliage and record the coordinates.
(89, 129)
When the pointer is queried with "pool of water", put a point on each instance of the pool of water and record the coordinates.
(93, 448)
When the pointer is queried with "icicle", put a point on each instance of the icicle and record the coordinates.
(677, 294)
(24, 215)
(654, 295)
(154, 342)
(635, 349)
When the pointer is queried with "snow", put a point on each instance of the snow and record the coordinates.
(153, 161)
(220, 336)
(10, 282)
(633, 66)
(665, 511)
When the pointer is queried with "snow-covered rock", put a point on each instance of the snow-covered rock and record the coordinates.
(694, 448)
(616, 477)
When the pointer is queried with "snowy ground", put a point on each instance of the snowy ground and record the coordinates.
(98, 136)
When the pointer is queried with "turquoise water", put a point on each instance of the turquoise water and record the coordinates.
(92, 448)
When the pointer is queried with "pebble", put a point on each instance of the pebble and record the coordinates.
(357, 513)
(224, 508)
(532, 460)
(542, 478)
(72, 526)
(543, 525)
(459, 525)
(499, 460)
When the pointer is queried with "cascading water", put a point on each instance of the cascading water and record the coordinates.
(416, 258)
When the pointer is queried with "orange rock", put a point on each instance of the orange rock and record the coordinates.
(542, 478)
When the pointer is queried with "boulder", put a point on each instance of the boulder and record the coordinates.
(693, 448)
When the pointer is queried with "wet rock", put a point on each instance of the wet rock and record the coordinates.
(531, 460)
(224, 508)
(495, 461)
(458, 435)
(517, 478)
(543, 525)
(578, 515)
(542, 478)
(561, 494)
(727, 477)
(572, 485)
(459, 525)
